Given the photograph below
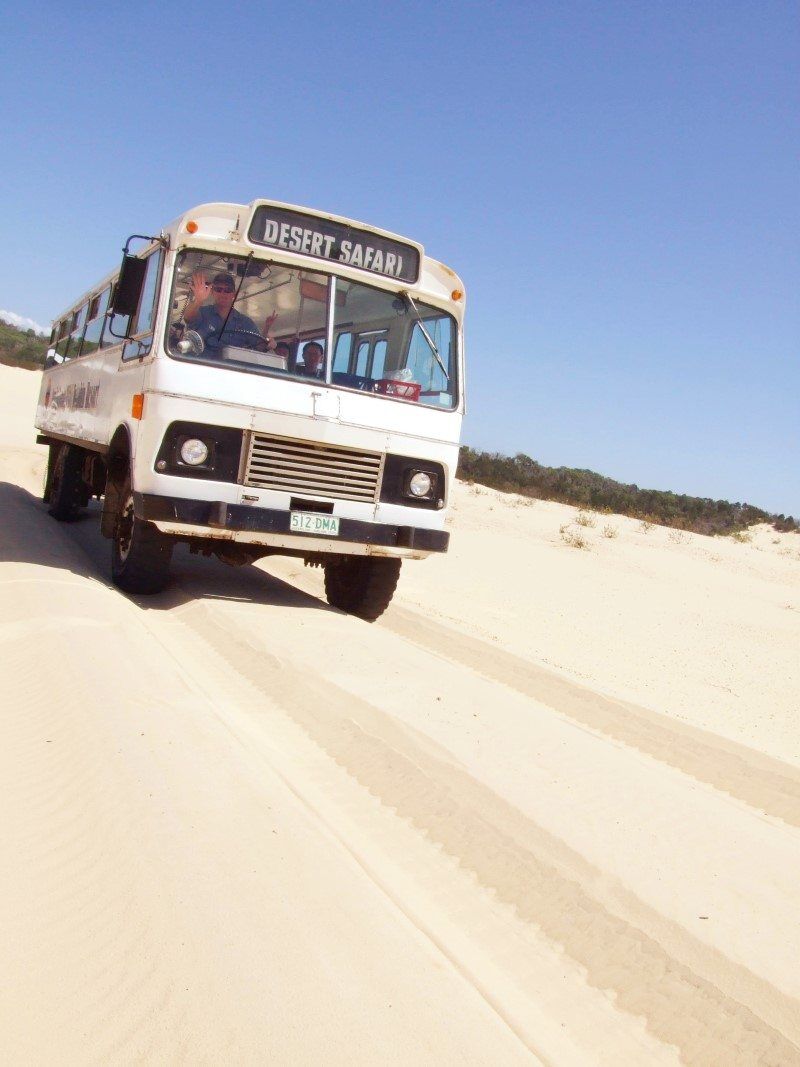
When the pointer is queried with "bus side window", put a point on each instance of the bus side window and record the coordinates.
(51, 358)
(62, 339)
(117, 323)
(94, 327)
(76, 333)
(142, 326)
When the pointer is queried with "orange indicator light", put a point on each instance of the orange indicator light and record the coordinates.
(456, 294)
(191, 226)
(137, 405)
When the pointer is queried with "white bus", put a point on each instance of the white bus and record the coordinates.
(261, 379)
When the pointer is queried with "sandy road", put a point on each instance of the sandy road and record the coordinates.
(241, 827)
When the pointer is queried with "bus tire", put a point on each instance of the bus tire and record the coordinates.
(140, 553)
(63, 489)
(361, 585)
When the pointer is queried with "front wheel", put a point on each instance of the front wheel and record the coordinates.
(361, 585)
(140, 554)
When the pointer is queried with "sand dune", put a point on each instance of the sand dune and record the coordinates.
(546, 810)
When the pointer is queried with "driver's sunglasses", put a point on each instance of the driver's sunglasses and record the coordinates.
(221, 289)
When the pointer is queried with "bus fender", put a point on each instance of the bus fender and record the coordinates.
(118, 464)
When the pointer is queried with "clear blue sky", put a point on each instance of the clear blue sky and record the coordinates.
(616, 182)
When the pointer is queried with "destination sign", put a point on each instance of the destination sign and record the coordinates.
(295, 231)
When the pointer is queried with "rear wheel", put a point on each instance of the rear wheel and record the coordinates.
(140, 554)
(361, 585)
(64, 490)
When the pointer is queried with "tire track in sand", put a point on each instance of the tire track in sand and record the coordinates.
(765, 784)
(693, 998)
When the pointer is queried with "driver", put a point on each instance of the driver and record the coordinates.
(208, 319)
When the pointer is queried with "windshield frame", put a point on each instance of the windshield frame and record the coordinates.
(418, 310)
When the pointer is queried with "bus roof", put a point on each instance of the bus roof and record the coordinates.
(232, 226)
(229, 228)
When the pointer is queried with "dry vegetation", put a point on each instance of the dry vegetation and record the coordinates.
(573, 538)
(585, 519)
(590, 491)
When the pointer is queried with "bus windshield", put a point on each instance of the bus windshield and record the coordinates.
(269, 318)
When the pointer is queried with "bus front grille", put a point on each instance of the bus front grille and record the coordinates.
(308, 467)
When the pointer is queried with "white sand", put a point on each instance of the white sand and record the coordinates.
(546, 810)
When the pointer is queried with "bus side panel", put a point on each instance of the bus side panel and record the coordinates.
(86, 399)
(120, 381)
(70, 399)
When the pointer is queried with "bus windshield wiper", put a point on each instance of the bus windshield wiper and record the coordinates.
(236, 295)
(431, 343)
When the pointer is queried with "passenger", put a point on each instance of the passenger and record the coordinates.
(313, 360)
(208, 319)
(278, 351)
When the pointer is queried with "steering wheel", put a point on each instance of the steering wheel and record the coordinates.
(258, 343)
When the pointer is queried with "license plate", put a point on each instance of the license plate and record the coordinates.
(309, 522)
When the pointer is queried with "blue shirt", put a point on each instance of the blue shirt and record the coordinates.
(239, 329)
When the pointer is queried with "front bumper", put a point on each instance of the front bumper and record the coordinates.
(270, 526)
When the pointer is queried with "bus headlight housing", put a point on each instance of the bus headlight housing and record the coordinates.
(420, 484)
(199, 450)
(194, 451)
(413, 482)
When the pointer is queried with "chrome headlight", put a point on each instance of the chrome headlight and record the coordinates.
(194, 451)
(420, 484)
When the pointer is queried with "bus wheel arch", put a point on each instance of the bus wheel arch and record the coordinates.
(118, 469)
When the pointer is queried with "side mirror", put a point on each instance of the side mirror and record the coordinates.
(128, 290)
